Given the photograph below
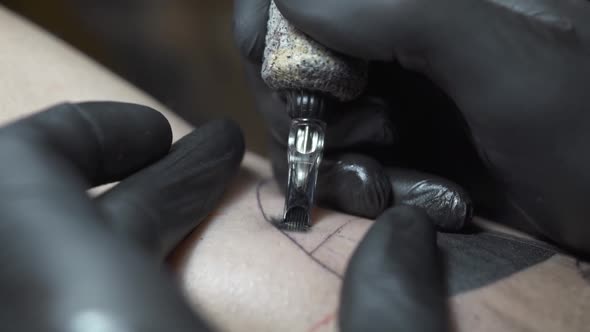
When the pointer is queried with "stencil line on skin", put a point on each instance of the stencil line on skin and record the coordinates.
(259, 186)
(328, 237)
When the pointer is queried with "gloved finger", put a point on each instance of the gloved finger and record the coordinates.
(355, 184)
(360, 123)
(58, 255)
(395, 281)
(373, 30)
(52, 157)
(359, 185)
(62, 270)
(330, 23)
(158, 206)
(249, 27)
(432, 37)
(447, 204)
(104, 141)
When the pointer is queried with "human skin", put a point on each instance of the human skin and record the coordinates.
(237, 270)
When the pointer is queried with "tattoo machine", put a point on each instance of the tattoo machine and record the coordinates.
(310, 77)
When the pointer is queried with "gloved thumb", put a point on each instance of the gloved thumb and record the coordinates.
(371, 29)
(426, 35)
(394, 281)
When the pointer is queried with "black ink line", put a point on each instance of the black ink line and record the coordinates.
(329, 237)
(310, 255)
(259, 186)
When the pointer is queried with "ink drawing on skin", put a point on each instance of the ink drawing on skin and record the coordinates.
(329, 242)
(239, 265)
(240, 251)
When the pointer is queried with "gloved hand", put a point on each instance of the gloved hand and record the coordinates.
(489, 94)
(395, 281)
(73, 263)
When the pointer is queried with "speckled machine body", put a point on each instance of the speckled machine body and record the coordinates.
(293, 61)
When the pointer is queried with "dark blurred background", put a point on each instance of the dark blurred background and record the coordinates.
(179, 51)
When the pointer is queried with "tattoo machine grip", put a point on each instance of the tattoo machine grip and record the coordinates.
(293, 61)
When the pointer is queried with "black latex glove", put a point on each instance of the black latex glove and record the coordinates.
(490, 94)
(395, 281)
(72, 263)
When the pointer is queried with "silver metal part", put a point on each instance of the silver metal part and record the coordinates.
(306, 145)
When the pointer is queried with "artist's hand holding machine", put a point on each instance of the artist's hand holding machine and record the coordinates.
(491, 96)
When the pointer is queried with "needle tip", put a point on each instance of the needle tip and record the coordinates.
(296, 219)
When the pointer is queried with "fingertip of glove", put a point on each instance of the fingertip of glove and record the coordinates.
(394, 276)
(355, 184)
(218, 138)
(145, 119)
(127, 136)
(300, 12)
(448, 205)
(249, 44)
(249, 28)
(230, 129)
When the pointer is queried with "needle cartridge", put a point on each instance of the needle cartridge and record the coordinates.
(309, 75)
